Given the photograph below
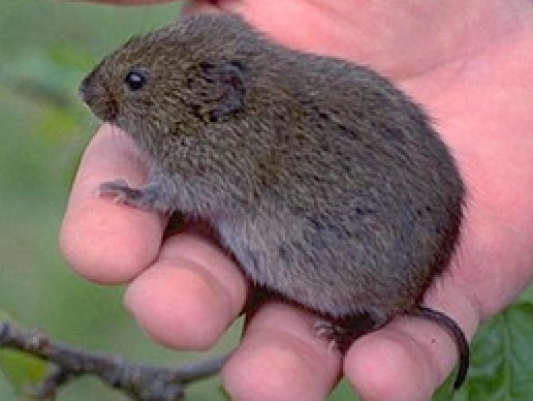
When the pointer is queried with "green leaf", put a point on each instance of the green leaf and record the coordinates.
(502, 360)
(22, 371)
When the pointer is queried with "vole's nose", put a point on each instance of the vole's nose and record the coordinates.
(83, 90)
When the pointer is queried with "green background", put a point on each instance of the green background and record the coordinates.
(46, 47)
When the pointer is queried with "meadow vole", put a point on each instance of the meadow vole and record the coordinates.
(325, 182)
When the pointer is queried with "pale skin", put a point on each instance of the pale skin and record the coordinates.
(470, 64)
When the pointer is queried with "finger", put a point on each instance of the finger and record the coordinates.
(281, 358)
(102, 240)
(409, 358)
(191, 294)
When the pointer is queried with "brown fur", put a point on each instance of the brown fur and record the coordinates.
(327, 183)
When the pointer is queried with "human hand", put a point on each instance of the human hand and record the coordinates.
(467, 63)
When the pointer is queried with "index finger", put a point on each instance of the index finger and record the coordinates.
(104, 241)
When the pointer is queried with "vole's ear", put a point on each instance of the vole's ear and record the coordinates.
(220, 89)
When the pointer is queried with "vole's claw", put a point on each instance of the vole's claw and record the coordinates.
(330, 332)
(120, 192)
(145, 198)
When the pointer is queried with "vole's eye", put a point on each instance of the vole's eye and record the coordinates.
(135, 80)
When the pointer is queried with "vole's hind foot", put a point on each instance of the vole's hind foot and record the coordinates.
(332, 333)
(120, 191)
(342, 332)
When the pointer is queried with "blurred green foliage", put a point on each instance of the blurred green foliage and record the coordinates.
(46, 49)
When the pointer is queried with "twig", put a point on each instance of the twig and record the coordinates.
(140, 382)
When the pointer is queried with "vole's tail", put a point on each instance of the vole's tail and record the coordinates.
(457, 334)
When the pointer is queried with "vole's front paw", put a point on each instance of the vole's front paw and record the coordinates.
(120, 191)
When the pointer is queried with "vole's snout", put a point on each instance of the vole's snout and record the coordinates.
(87, 91)
(99, 99)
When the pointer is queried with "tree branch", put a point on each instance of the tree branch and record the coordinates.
(140, 382)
